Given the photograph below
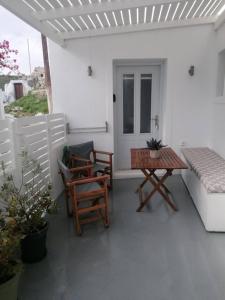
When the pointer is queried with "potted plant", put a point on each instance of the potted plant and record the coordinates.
(10, 266)
(154, 146)
(28, 204)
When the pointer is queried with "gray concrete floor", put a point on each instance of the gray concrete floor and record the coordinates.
(156, 254)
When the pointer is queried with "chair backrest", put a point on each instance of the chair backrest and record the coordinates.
(82, 150)
(66, 156)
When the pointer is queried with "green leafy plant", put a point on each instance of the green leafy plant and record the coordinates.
(153, 144)
(9, 245)
(29, 201)
(29, 105)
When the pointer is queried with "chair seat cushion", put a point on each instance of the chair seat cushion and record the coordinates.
(98, 167)
(88, 187)
(208, 166)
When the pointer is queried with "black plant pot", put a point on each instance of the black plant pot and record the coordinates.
(33, 246)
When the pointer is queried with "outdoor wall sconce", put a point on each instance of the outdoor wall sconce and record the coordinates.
(191, 70)
(90, 71)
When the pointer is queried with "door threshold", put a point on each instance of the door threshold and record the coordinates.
(123, 174)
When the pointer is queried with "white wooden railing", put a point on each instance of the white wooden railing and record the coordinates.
(6, 144)
(43, 137)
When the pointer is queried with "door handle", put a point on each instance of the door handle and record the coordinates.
(156, 120)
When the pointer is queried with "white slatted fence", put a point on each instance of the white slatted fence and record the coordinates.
(42, 137)
(6, 143)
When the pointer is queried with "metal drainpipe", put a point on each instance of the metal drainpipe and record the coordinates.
(47, 73)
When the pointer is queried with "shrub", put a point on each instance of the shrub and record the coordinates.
(9, 245)
(27, 106)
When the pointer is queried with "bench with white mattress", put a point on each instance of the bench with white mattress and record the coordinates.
(205, 180)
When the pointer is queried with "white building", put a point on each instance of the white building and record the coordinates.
(123, 71)
(141, 52)
(16, 89)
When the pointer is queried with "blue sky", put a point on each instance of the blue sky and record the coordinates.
(17, 32)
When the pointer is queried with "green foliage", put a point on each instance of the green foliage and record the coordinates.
(27, 203)
(153, 144)
(9, 245)
(28, 105)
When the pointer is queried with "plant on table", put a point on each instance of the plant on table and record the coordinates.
(154, 146)
(28, 203)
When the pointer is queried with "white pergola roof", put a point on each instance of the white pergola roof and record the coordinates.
(61, 20)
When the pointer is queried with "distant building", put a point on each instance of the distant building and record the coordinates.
(15, 89)
(6, 79)
(37, 77)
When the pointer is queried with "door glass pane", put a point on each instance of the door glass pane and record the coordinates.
(128, 103)
(146, 97)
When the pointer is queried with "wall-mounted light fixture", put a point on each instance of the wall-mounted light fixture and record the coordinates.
(90, 71)
(191, 70)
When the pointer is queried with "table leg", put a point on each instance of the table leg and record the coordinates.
(157, 188)
(164, 194)
(141, 185)
(144, 181)
(156, 185)
(163, 185)
(140, 195)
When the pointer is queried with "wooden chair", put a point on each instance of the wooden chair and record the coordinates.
(70, 174)
(102, 160)
(88, 195)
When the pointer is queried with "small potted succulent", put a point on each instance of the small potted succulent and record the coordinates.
(10, 266)
(28, 204)
(154, 146)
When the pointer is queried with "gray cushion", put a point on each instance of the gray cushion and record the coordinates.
(97, 167)
(208, 166)
(83, 150)
(88, 187)
(65, 157)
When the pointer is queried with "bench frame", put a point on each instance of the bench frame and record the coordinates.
(210, 206)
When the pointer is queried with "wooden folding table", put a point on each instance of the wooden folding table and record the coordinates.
(168, 161)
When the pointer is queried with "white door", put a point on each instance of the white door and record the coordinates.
(137, 108)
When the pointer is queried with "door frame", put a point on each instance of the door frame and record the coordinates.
(161, 63)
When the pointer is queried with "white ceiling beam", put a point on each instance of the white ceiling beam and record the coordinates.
(220, 21)
(136, 28)
(64, 12)
(21, 11)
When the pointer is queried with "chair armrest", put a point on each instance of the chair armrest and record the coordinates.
(109, 154)
(88, 180)
(78, 158)
(84, 168)
(103, 152)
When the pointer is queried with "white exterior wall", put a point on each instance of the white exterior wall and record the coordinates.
(218, 106)
(87, 101)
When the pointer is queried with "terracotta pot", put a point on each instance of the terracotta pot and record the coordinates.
(9, 289)
(155, 154)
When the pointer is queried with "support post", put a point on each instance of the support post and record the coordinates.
(47, 73)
